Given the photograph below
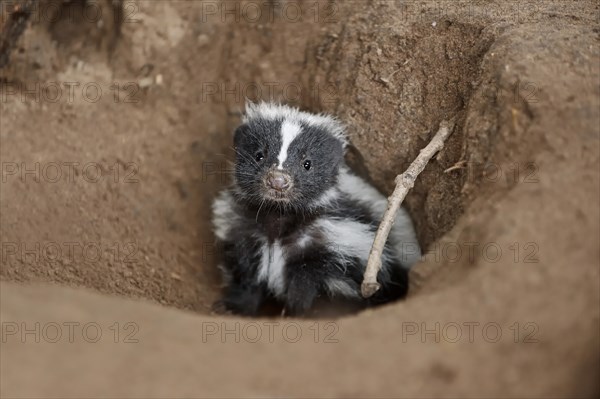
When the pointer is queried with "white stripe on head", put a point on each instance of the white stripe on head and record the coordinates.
(289, 131)
(273, 111)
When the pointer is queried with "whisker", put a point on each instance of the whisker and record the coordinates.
(257, 212)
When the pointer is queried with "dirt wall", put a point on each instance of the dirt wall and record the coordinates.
(141, 134)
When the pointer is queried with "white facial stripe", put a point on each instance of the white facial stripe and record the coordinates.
(289, 131)
(273, 111)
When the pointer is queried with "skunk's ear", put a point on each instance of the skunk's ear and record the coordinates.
(239, 134)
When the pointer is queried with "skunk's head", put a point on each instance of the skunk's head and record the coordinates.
(287, 157)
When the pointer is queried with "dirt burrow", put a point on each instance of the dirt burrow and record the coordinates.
(521, 86)
(430, 75)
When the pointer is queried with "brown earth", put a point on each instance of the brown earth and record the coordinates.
(141, 143)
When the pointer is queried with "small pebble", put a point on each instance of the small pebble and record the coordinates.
(145, 82)
(203, 40)
(175, 276)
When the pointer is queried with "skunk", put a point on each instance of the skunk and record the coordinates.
(297, 224)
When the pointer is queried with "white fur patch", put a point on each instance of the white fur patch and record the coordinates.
(327, 197)
(272, 267)
(404, 239)
(273, 111)
(289, 131)
(304, 240)
(226, 275)
(347, 238)
(361, 191)
(224, 215)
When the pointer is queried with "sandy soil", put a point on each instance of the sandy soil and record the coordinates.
(108, 189)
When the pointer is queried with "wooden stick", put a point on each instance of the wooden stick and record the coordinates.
(404, 182)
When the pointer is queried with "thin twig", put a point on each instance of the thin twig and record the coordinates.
(456, 166)
(404, 182)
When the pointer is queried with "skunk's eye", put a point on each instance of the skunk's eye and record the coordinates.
(259, 156)
(307, 165)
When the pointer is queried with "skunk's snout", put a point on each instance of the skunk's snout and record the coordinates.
(278, 181)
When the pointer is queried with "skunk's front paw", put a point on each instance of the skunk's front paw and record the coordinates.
(301, 294)
(244, 301)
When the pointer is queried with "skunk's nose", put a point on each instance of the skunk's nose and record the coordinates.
(278, 181)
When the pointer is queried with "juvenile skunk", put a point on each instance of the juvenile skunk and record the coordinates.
(297, 224)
